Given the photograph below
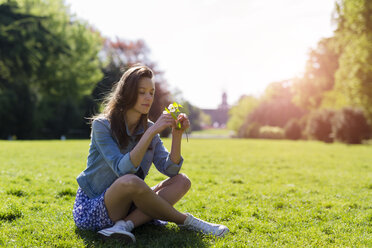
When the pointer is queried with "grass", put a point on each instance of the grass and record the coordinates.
(269, 193)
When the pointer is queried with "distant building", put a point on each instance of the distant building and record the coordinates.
(219, 116)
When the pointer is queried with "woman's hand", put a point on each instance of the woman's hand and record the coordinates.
(185, 123)
(164, 121)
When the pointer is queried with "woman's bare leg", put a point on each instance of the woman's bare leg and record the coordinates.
(130, 188)
(171, 190)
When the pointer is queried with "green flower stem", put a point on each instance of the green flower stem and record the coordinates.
(174, 117)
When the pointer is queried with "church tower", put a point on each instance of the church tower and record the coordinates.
(224, 104)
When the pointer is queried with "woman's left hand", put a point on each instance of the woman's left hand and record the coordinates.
(185, 123)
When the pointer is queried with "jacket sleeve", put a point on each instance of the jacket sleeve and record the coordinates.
(162, 160)
(109, 150)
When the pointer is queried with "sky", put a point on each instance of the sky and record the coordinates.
(207, 47)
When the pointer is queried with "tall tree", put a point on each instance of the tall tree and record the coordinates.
(239, 112)
(58, 64)
(319, 76)
(354, 33)
(73, 73)
(24, 43)
(276, 107)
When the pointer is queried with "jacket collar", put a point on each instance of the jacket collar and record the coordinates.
(139, 130)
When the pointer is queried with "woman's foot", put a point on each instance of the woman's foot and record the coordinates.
(121, 230)
(196, 224)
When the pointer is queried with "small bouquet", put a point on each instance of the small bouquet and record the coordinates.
(173, 109)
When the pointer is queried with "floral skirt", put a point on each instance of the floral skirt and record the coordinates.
(90, 214)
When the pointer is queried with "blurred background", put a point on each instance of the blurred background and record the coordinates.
(247, 69)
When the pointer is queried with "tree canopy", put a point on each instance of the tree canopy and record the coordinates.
(354, 35)
(49, 62)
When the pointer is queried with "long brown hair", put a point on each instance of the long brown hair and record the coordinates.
(123, 97)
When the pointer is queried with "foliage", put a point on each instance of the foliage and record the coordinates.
(319, 125)
(293, 130)
(269, 132)
(19, 63)
(195, 115)
(351, 126)
(17, 116)
(239, 112)
(347, 125)
(47, 83)
(270, 194)
(74, 73)
(19, 59)
(47, 57)
(68, 121)
(354, 34)
(276, 107)
(205, 119)
(249, 130)
(319, 77)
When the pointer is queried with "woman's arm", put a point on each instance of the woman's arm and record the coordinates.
(175, 154)
(164, 121)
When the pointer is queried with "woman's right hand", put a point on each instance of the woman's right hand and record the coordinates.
(164, 121)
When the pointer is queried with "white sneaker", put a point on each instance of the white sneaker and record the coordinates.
(196, 224)
(121, 230)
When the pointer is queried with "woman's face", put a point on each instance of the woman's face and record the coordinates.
(146, 91)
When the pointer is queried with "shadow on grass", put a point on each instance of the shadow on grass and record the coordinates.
(149, 236)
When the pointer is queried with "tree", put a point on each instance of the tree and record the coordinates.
(276, 107)
(20, 59)
(319, 77)
(53, 57)
(239, 112)
(73, 73)
(354, 34)
(350, 126)
(19, 64)
(195, 115)
(293, 130)
(319, 125)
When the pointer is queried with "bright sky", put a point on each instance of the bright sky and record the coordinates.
(206, 47)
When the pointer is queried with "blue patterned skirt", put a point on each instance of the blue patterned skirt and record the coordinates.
(90, 214)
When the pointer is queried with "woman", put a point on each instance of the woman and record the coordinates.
(112, 196)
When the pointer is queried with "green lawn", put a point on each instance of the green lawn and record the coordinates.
(269, 193)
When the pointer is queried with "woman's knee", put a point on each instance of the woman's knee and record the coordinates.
(184, 181)
(131, 183)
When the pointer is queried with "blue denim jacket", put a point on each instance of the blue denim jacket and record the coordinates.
(106, 162)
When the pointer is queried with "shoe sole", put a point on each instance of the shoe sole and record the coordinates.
(222, 234)
(226, 231)
(118, 236)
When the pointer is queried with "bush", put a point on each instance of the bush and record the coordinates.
(249, 130)
(292, 130)
(319, 125)
(350, 126)
(269, 132)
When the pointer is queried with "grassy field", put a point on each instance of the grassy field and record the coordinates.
(269, 193)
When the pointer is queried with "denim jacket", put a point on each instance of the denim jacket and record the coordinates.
(106, 162)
